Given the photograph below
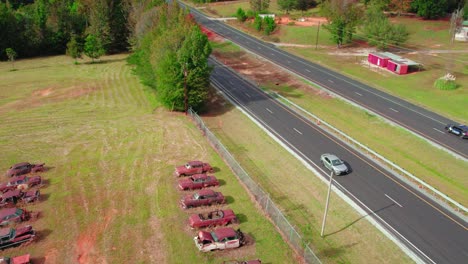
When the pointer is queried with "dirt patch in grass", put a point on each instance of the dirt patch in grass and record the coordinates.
(86, 243)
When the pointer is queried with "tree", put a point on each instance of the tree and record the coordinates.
(303, 5)
(344, 16)
(258, 23)
(429, 9)
(400, 6)
(269, 25)
(240, 14)
(287, 5)
(11, 54)
(74, 48)
(259, 5)
(380, 32)
(93, 47)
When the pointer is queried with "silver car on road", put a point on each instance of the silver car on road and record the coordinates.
(334, 164)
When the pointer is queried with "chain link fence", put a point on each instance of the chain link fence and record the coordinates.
(262, 198)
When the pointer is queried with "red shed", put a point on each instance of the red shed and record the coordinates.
(378, 59)
(399, 67)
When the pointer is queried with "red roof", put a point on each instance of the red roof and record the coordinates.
(7, 211)
(199, 176)
(224, 232)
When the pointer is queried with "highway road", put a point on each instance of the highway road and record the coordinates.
(432, 233)
(420, 121)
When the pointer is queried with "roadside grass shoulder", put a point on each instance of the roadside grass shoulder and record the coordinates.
(110, 195)
(301, 195)
(418, 87)
(434, 166)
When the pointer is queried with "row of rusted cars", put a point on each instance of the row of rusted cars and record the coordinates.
(21, 188)
(217, 239)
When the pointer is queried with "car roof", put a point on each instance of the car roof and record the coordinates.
(199, 176)
(7, 211)
(206, 192)
(330, 156)
(13, 179)
(11, 194)
(225, 232)
(5, 231)
(195, 162)
(464, 127)
(20, 164)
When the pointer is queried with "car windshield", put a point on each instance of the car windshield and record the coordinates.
(337, 162)
(215, 238)
(196, 196)
(18, 212)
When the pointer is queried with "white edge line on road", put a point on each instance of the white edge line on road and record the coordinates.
(331, 81)
(393, 200)
(269, 110)
(248, 95)
(299, 155)
(358, 93)
(307, 70)
(394, 110)
(438, 130)
(297, 130)
(329, 73)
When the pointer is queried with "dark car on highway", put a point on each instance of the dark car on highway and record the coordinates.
(459, 130)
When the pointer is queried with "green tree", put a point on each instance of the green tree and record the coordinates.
(380, 32)
(93, 47)
(430, 9)
(304, 5)
(11, 54)
(270, 25)
(287, 5)
(74, 48)
(344, 16)
(240, 14)
(258, 23)
(259, 5)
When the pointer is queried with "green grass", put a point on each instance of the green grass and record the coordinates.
(409, 152)
(111, 196)
(417, 88)
(349, 238)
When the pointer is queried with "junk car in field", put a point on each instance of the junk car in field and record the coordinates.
(193, 167)
(221, 238)
(10, 237)
(198, 181)
(213, 218)
(24, 168)
(202, 197)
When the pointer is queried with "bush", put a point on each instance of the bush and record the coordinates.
(258, 23)
(446, 82)
(251, 14)
(269, 25)
(240, 14)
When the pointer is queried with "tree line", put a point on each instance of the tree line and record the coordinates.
(44, 27)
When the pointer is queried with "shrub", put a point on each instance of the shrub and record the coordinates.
(258, 23)
(446, 82)
(240, 14)
(269, 25)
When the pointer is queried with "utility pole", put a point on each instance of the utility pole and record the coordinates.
(326, 205)
(185, 90)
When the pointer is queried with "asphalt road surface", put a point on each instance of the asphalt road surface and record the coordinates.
(431, 232)
(420, 121)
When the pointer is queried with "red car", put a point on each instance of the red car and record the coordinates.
(20, 182)
(198, 181)
(193, 167)
(11, 198)
(10, 237)
(24, 259)
(203, 197)
(9, 216)
(221, 238)
(214, 218)
(24, 168)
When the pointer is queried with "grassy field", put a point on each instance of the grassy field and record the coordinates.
(417, 88)
(409, 152)
(110, 195)
(349, 238)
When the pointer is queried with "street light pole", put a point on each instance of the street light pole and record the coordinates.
(185, 90)
(326, 205)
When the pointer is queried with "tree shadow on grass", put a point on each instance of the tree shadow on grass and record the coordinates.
(229, 199)
(334, 251)
(242, 218)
